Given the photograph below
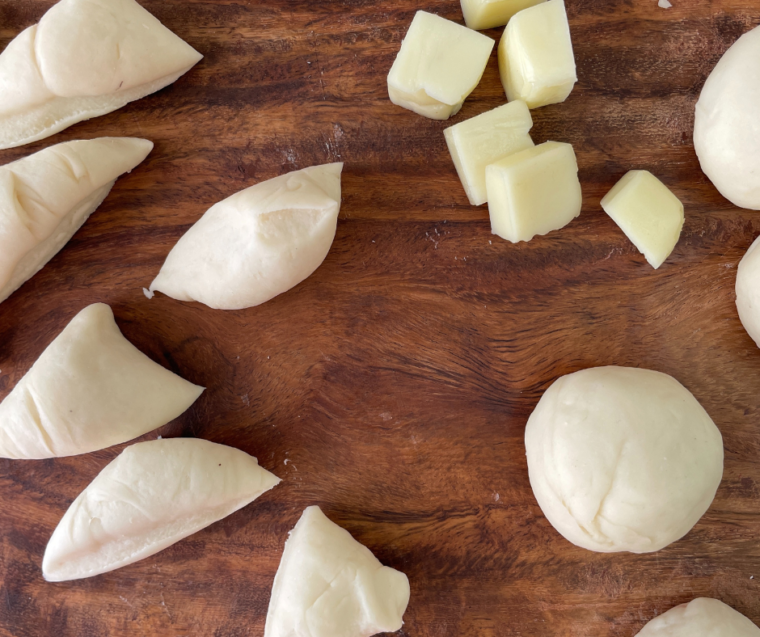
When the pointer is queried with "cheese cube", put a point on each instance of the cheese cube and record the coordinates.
(533, 192)
(438, 66)
(486, 14)
(650, 215)
(485, 139)
(536, 60)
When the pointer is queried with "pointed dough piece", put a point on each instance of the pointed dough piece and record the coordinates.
(90, 389)
(46, 197)
(84, 59)
(256, 244)
(329, 585)
(152, 495)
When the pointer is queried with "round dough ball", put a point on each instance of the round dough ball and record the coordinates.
(748, 291)
(701, 617)
(727, 124)
(622, 459)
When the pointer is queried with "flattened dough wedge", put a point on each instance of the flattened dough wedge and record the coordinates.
(256, 244)
(329, 585)
(90, 389)
(84, 59)
(46, 197)
(152, 495)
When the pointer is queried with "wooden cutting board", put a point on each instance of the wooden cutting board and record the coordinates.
(393, 386)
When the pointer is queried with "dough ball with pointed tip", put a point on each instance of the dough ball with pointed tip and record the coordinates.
(46, 197)
(151, 496)
(622, 459)
(256, 244)
(84, 59)
(90, 389)
(701, 617)
(329, 585)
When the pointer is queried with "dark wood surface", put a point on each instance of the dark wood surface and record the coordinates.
(397, 380)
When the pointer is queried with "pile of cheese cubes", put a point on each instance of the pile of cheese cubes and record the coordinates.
(529, 189)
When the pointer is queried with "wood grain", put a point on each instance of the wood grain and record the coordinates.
(397, 380)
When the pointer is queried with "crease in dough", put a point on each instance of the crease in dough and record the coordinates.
(622, 459)
(46, 197)
(257, 243)
(152, 495)
(84, 59)
(90, 389)
(330, 585)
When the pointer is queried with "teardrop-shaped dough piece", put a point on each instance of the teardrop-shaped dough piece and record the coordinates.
(90, 389)
(256, 244)
(46, 197)
(84, 59)
(152, 495)
(329, 585)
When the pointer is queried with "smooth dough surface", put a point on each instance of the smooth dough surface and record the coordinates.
(256, 244)
(727, 123)
(46, 197)
(748, 291)
(701, 617)
(90, 389)
(152, 495)
(329, 585)
(84, 59)
(622, 459)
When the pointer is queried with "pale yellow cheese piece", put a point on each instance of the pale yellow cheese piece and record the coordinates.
(533, 192)
(486, 14)
(536, 60)
(650, 215)
(438, 66)
(485, 139)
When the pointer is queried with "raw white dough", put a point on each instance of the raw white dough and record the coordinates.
(748, 291)
(701, 617)
(84, 59)
(90, 389)
(46, 197)
(256, 244)
(727, 124)
(329, 585)
(622, 459)
(152, 495)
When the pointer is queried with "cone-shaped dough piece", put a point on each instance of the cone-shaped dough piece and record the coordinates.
(257, 243)
(329, 585)
(46, 197)
(152, 495)
(84, 59)
(90, 389)
(701, 617)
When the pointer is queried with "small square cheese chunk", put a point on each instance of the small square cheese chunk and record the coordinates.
(438, 66)
(533, 192)
(485, 139)
(486, 14)
(536, 60)
(650, 215)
